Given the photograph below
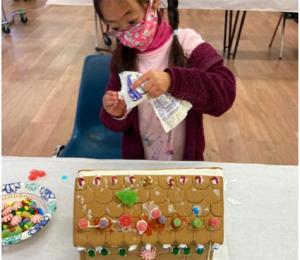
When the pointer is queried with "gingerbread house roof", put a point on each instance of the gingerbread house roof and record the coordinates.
(173, 207)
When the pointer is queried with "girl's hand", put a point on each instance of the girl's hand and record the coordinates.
(113, 105)
(158, 83)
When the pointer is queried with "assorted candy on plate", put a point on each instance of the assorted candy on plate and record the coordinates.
(19, 216)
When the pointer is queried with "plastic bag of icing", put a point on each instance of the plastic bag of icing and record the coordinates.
(170, 111)
(132, 97)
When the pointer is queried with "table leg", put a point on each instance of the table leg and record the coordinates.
(225, 33)
(233, 33)
(229, 34)
(239, 34)
(274, 34)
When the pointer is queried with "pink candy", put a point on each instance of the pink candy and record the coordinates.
(15, 220)
(36, 218)
(7, 218)
(83, 223)
(17, 205)
(141, 226)
(155, 213)
(7, 211)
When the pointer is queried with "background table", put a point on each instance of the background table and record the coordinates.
(260, 207)
(262, 5)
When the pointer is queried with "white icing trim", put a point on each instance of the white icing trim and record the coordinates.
(132, 248)
(159, 172)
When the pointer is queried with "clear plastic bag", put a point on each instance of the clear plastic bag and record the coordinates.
(169, 110)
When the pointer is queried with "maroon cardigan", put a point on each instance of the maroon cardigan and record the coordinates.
(206, 83)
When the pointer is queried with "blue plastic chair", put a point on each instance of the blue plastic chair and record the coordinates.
(90, 138)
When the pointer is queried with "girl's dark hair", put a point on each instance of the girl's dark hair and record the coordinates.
(125, 58)
(177, 57)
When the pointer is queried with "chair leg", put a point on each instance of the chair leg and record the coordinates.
(282, 36)
(274, 34)
(97, 47)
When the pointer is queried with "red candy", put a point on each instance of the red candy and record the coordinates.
(155, 213)
(125, 221)
(83, 223)
(34, 174)
(214, 223)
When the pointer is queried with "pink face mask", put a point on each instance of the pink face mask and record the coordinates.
(141, 35)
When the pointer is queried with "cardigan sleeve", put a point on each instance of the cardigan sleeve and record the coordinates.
(117, 125)
(206, 83)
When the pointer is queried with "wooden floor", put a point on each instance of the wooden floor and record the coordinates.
(41, 69)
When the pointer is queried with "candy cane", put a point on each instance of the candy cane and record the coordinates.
(215, 180)
(81, 182)
(199, 179)
(114, 180)
(182, 179)
(170, 181)
(131, 179)
(97, 180)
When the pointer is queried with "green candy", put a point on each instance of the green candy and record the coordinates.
(177, 222)
(122, 252)
(17, 232)
(197, 223)
(127, 197)
(186, 251)
(91, 252)
(200, 251)
(18, 229)
(31, 211)
(104, 252)
(28, 225)
(5, 233)
(175, 251)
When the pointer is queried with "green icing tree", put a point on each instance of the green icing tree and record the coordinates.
(127, 197)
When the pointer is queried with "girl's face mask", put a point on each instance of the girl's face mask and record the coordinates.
(141, 34)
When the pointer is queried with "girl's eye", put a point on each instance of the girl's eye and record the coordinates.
(115, 28)
(132, 22)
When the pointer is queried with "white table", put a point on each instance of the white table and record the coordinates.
(262, 5)
(260, 207)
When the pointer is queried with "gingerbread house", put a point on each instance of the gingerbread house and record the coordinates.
(148, 214)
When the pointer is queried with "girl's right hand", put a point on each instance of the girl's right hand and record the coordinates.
(113, 104)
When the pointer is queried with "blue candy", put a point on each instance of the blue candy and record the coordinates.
(196, 210)
(40, 211)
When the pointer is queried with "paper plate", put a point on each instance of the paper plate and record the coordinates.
(44, 198)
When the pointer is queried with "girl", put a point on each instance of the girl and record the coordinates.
(172, 60)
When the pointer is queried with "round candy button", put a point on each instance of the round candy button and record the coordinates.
(83, 223)
(125, 221)
(141, 226)
(177, 222)
(197, 223)
(103, 223)
(162, 220)
(155, 213)
(214, 223)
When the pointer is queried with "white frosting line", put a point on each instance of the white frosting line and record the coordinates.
(159, 172)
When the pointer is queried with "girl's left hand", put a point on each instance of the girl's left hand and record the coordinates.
(157, 83)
